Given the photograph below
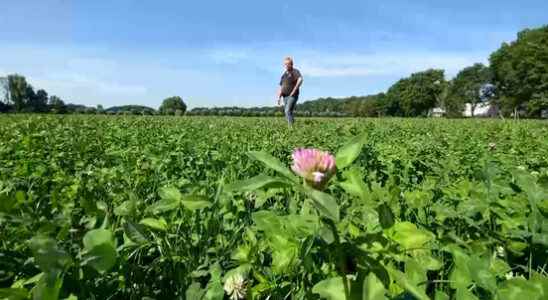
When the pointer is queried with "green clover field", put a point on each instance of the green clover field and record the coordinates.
(149, 207)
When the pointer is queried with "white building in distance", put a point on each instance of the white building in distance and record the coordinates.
(483, 109)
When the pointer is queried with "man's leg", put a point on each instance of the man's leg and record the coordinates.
(289, 107)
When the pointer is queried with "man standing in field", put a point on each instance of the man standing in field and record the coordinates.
(289, 89)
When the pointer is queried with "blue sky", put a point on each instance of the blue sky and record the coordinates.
(224, 53)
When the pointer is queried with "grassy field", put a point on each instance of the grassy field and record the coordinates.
(107, 207)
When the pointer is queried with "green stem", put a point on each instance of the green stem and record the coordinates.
(346, 283)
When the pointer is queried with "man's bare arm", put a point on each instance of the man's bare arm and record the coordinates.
(297, 86)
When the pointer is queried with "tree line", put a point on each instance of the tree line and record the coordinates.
(515, 83)
(21, 98)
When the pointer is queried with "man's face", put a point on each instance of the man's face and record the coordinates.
(288, 65)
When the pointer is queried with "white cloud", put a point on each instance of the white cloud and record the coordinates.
(321, 63)
(381, 64)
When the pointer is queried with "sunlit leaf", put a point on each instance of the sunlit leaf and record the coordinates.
(405, 283)
(257, 182)
(195, 202)
(349, 152)
(273, 163)
(100, 249)
(127, 208)
(327, 205)
(330, 289)
(170, 200)
(409, 236)
(156, 224)
(354, 183)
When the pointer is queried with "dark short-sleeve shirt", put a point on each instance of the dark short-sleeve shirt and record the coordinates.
(288, 82)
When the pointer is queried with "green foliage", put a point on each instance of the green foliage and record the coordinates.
(365, 106)
(18, 87)
(99, 249)
(520, 69)
(133, 207)
(133, 109)
(40, 102)
(349, 152)
(416, 95)
(57, 105)
(330, 289)
(466, 87)
(173, 106)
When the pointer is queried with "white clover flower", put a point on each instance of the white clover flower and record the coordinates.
(500, 251)
(235, 287)
(251, 196)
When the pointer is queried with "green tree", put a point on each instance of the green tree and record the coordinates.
(29, 99)
(23, 96)
(171, 105)
(415, 95)
(520, 69)
(18, 91)
(91, 110)
(40, 102)
(537, 104)
(57, 105)
(467, 87)
(390, 105)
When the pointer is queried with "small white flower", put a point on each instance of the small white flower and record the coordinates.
(235, 287)
(509, 275)
(251, 196)
(500, 251)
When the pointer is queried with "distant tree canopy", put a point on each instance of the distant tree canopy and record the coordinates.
(129, 109)
(467, 87)
(18, 88)
(366, 106)
(57, 105)
(415, 95)
(25, 99)
(520, 72)
(173, 106)
(40, 101)
(323, 107)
